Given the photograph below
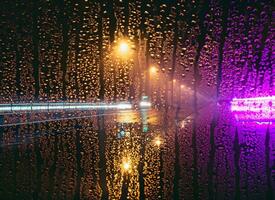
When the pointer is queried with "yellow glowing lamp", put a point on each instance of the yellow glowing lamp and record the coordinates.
(153, 69)
(126, 165)
(123, 49)
(158, 141)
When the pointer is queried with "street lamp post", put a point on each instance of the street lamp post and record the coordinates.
(152, 74)
(122, 52)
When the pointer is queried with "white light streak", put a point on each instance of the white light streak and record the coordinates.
(62, 106)
(145, 104)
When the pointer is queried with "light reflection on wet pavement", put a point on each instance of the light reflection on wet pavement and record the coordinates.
(147, 154)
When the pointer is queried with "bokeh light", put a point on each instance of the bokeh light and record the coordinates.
(124, 49)
(126, 165)
(153, 69)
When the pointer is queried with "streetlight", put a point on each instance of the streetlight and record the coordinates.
(182, 88)
(152, 73)
(172, 91)
(153, 69)
(123, 49)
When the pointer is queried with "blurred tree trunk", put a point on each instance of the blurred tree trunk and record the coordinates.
(201, 42)
(147, 70)
(77, 50)
(15, 160)
(126, 13)
(269, 192)
(125, 185)
(35, 41)
(113, 21)
(63, 20)
(38, 162)
(53, 167)
(100, 48)
(174, 59)
(79, 170)
(17, 53)
(174, 53)
(214, 122)
(261, 49)
(142, 29)
(237, 154)
(102, 157)
(177, 161)
(143, 35)
(101, 125)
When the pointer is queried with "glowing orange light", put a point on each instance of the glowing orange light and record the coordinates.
(126, 165)
(123, 49)
(130, 116)
(157, 141)
(153, 69)
(182, 86)
(174, 80)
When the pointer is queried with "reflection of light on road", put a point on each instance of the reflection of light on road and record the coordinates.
(153, 69)
(144, 103)
(157, 141)
(126, 166)
(144, 120)
(129, 116)
(153, 117)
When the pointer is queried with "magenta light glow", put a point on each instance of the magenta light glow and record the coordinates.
(259, 109)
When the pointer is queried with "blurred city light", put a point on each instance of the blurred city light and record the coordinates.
(62, 106)
(157, 141)
(123, 49)
(145, 104)
(127, 116)
(153, 69)
(259, 109)
(126, 165)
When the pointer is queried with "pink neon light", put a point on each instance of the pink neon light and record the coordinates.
(259, 109)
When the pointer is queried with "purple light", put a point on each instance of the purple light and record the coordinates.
(259, 109)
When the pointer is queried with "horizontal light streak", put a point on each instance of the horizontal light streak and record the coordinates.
(254, 109)
(145, 104)
(62, 106)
